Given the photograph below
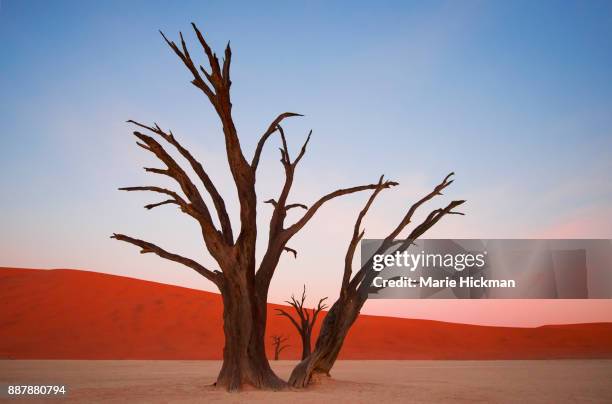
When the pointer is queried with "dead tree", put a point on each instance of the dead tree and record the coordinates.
(306, 320)
(279, 344)
(353, 291)
(243, 284)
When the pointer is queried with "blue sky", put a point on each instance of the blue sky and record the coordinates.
(515, 97)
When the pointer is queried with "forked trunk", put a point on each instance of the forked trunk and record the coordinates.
(244, 357)
(335, 327)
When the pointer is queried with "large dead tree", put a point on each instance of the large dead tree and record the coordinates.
(243, 284)
(305, 321)
(353, 291)
(278, 341)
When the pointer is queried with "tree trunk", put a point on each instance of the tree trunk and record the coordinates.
(335, 327)
(244, 357)
(306, 337)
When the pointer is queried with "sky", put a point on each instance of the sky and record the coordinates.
(515, 97)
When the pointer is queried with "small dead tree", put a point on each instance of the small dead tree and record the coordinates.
(306, 320)
(242, 282)
(279, 344)
(353, 291)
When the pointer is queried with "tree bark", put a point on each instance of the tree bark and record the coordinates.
(306, 349)
(244, 357)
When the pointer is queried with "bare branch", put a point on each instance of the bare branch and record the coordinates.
(219, 203)
(433, 218)
(315, 312)
(242, 173)
(298, 305)
(278, 342)
(144, 146)
(291, 250)
(271, 129)
(429, 221)
(296, 205)
(303, 297)
(280, 211)
(408, 217)
(279, 338)
(154, 205)
(226, 65)
(357, 236)
(303, 150)
(201, 213)
(363, 278)
(215, 277)
(285, 159)
(321, 305)
(159, 171)
(272, 202)
(212, 57)
(180, 201)
(185, 57)
(346, 191)
(279, 235)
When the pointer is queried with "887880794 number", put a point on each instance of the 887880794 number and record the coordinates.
(35, 390)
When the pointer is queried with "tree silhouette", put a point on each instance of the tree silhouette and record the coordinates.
(306, 320)
(353, 291)
(279, 344)
(242, 282)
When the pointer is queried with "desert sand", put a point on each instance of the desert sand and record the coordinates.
(128, 325)
(554, 381)
(69, 314)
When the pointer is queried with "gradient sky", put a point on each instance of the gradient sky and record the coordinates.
(515, 97)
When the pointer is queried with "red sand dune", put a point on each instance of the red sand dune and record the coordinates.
(68, 314)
